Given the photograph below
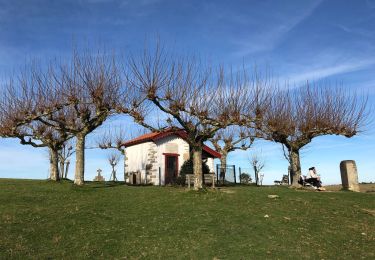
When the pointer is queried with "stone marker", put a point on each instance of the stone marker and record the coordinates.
(349, 175)
(99, 177)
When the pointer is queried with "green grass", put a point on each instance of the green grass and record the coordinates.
(40, 219)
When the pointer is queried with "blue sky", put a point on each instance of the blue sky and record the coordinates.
(329, 40)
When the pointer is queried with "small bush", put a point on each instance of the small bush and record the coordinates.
(245, 178)
(180, 180)
(187, 168)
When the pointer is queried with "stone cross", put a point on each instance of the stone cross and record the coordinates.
(99, 177)
(349, 175)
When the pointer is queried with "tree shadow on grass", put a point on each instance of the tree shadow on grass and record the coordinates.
(107, 184)
(90, 185)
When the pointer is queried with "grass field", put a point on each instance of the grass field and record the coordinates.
(41, 219)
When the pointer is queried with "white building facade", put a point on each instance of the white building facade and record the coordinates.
(157, 158)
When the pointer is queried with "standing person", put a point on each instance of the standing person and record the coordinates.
(313, 178)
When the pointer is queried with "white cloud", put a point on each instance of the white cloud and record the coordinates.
(328, 69)
(269, 38)
(356, 31)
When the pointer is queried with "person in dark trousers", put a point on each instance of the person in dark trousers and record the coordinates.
(313, 178)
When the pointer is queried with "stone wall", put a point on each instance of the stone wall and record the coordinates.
(152, 164)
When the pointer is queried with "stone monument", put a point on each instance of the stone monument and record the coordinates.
(99, 177)
(349, 175)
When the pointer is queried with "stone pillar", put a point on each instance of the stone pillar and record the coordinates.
(349, 175)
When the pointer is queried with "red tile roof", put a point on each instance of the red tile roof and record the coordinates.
(152, 137)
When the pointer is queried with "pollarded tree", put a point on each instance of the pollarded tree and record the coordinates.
(33, 95)
(196, 98)
(73, 99)
(230, 139)
(92, 89)
(296, 116)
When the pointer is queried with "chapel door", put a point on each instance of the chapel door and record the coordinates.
(171, 168)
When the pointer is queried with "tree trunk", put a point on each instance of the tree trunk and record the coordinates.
(66, 169)
(197, 168)
(223, 166)
(295, 166)
(124, 153)
(80, 160)
(113, 174)
(54, 164)
(62, 169)
(256, 175)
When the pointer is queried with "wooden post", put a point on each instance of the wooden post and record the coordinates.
(188, 179)
(217, 174)
(159, 176)
(239, 172)
(234, 174)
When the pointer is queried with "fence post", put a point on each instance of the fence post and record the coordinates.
(234, 173)
(239, 172)
(217, 174)
(159, 176)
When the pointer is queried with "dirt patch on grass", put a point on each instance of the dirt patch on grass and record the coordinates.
(227, 191)
(366, 188)
(369, 211)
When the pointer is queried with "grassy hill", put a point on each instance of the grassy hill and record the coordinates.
(41, 219)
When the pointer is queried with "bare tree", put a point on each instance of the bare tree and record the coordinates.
(70, 99)
(197, 99)
(228, 140)
(258, 164)
(64, 154)
(23, 101)
(114, 140)
(92, 89)
(113, 160)
(33, 94)
(296, 116)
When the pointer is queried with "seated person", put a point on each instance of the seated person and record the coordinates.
(313, 178)
(302, 179)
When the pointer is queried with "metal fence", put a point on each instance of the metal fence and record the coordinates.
(245, 175)
(231, 175)
(226, 174)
